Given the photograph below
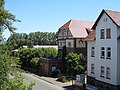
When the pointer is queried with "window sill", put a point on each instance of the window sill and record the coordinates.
(92, 72)
(108, 58)
(108, 38)
(92, 56)
(102, 57)
(102, 76)
(107, 77)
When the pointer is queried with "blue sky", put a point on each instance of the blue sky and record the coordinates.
(49, 15)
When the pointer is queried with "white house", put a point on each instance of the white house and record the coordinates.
(103, 52)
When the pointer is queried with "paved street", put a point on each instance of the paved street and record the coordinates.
(40, 84)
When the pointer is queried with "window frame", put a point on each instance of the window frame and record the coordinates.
(69, 44)
(102, 34)
(102, 71)
(102, 52)
(92, 68)
(108, 33)
(108, 53)
(60, 44)
(108, 72)
(62, 34)
(92, 51)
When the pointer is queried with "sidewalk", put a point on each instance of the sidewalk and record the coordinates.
(53, 81)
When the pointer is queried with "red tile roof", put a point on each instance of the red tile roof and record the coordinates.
(113, 15)
(77, 28)
(91, 36)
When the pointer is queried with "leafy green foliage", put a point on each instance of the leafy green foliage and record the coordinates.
(6, 18)
(10, 77)
(31, 56)
(17, 40)
(75, 64)
(35, 60)
(49, 52)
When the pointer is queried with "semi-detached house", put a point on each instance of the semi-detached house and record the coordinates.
(71, 35)
(103, 52)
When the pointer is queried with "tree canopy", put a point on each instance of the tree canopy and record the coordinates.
(17, 40)
(75, 64)
(10, 78)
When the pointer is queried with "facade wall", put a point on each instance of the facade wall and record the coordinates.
(64, 34)
(104, 83)
(76, 45)
(80, 43)
(61, 43)
(70, 41)
(118, 58)
(106, 43)
(91, 60)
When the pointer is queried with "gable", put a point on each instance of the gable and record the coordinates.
(65, 33)
(105, 21)
(113, 15)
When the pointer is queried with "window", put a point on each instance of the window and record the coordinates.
(81, 43)
(62, 34)
(108, 33)
(102, 34)
(67, 33)
(102, 72)
(69, 44)
(102, 52)
(92, 51)
(104, 19)
(108, 72)
(92, 68)
(60, 44)
(108, 53)
(63, 43)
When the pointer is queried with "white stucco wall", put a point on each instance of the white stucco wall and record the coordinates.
(114, 43)
(90, 60)
(112, 63)
(118, 58)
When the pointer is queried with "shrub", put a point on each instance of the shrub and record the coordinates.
(75, 64)
(30, 56)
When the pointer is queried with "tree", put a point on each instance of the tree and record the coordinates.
(30, 56)
(17, 40)
(64, 53)
(10, 77)
(74, 64)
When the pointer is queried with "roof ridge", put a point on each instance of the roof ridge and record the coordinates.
(111, 10)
